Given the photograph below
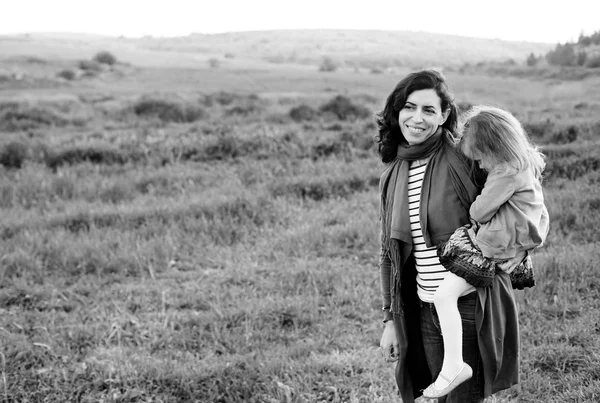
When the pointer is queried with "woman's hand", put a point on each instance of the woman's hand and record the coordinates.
(389, 343)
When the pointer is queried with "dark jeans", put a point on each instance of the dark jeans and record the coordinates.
(471, 390)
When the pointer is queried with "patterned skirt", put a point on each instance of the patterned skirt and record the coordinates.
(461, 255)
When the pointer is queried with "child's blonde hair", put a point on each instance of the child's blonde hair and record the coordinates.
(495, 135)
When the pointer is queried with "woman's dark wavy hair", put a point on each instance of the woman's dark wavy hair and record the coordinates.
(390, 136)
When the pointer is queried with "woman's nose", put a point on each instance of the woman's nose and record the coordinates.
(417, 117)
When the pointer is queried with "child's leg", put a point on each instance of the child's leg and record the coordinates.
(446, 300)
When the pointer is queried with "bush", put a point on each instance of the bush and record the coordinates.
(571, 167)
(539, 129)
(90, 65)
(222, 98)
(344, 109)
(67, 74)
(14, 117)
(245, 110)
(225, 147)
(569, 135)
(168, 111)
(593, 62)
(117, 193)
(13, 154)
(214, 63)
(104, 57)
(302, 113)
(335, 147)
(92, 154)
(328, 65)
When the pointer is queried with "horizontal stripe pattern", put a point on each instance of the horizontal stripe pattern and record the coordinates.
(430, 273)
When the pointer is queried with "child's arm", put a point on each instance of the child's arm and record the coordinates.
(496, 191)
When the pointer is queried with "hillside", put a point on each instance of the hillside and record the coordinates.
(351, 48)
(363, 48)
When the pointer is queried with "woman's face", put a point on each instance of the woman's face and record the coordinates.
(421, 116)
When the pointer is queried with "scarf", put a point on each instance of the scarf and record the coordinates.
(446, 173)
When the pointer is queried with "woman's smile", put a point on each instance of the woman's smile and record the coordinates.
(416, 130)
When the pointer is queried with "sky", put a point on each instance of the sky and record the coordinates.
(516, 20)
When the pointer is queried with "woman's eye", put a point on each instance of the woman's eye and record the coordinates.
(408, 107)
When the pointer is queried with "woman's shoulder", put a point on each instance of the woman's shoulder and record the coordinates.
(450, 145)
(457, 158)
(451, 139)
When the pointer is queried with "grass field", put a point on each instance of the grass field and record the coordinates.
(176, 234)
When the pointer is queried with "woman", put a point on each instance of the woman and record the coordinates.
(426, 191)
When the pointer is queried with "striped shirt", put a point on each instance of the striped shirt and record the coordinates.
(430, 272)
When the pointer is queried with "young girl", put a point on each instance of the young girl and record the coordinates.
(508, 220)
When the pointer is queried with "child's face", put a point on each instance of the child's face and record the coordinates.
(485, 163)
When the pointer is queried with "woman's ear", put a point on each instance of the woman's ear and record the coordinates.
(444, 116)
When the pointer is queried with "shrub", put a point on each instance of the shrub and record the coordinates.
(117, 193)
(214, 63)
(539, 129)
(593, 62)
(39, 152)
(328, 65)
(222, 98)
(358, 139)
(224, 147)
(67, 74)
(104, 57)
(302, 113)
(168, 111)
(336, 127)
(335, 147)
(244, 110)
(13, 154)
(92, 154)
(569, 135)
(571, 167)
(35, 60)
(20, 118)
(63, 187)
(90, 65)
(344, 109)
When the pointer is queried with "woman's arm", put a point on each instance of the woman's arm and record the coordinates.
(389, 342)
(385, 271)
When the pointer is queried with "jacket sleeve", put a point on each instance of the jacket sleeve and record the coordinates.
(385, 271)
(497, 190)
